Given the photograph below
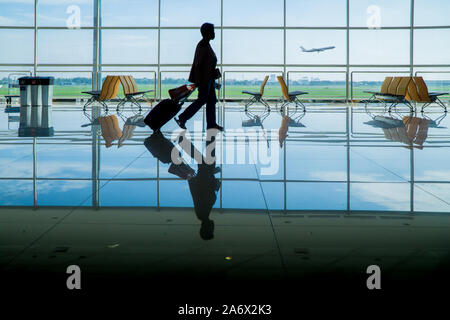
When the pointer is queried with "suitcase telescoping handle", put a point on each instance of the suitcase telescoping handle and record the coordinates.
(181, 94)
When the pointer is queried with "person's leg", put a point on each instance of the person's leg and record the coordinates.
(196, 105)
(211, 107)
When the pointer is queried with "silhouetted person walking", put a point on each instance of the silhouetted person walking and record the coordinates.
(203, 75)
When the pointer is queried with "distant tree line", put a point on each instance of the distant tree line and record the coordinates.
(83, 81)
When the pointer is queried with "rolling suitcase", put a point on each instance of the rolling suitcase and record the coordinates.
(167, 108)
(162, 113)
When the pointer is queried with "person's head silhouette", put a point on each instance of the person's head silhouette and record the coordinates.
(207, 30)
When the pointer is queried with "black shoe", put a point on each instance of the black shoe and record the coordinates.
(216, 126)
(180, 123)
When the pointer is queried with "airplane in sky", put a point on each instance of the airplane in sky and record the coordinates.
(318, 50)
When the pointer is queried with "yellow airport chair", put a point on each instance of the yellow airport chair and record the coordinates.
(131, 92)
(109, 91)
(428, 97)
(384, 88)
(401, 94)
(290, 97)
(257, 96)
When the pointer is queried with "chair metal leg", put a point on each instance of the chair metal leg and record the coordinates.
(437, 101)
(440, 103)
(393, 105)
(284, 103)
(411, 107)
(425, 105)
(121, 103)
(298, 102)
(104, 105)
(249, 103)
(88, 103)
(134, 101)
(265, 103)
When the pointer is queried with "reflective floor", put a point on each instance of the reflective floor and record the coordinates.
(278, 194)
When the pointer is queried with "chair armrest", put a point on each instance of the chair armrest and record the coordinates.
(139, 93)
(250, 92)
(390, 95)
(297, 93)
(94, 93)
(437, 93)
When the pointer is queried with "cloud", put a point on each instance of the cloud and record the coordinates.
(393, 196)
(17, 1)
(8, 21)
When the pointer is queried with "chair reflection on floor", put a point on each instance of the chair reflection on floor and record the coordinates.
(289, 120)
(436, 123)
(409, 130)
(255, 120)
(129, 126)
(110, 129)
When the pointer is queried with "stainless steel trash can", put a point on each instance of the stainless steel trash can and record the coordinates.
(25, 105)
(36, 95)
(47, 102)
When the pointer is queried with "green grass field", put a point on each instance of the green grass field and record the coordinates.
(233, 91)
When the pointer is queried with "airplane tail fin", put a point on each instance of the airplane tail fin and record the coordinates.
(303, 49)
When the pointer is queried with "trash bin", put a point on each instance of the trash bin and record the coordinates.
(25, 105)
(36, 95)
(47, 102)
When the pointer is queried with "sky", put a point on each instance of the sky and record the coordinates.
(239, 46)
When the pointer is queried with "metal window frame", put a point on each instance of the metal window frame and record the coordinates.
(97, 68)
(97, 27)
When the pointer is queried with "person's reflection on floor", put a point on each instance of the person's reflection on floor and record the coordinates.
(165, 151)
(203, 184)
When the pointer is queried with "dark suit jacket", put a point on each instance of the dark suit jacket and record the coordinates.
(204, 65)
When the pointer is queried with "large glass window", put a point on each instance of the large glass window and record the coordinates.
(178, 46)
(318, 84)
(431, 46)
(253, 46)
(130, 46)
(384, 47)
(17, 46)
(300, 41)
(129, 13)
(65, 46)
(253, 13)
(195, 13)
(253, 34)
(71, 14)
(431, 12)
(380, 13)
(316, 13)
(16, 13)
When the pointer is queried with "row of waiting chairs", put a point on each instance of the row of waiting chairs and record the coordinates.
(288, 97)
(110, 89)
(406, 90)
(394, 90)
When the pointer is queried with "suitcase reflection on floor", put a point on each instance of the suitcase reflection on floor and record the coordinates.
(203, 184)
